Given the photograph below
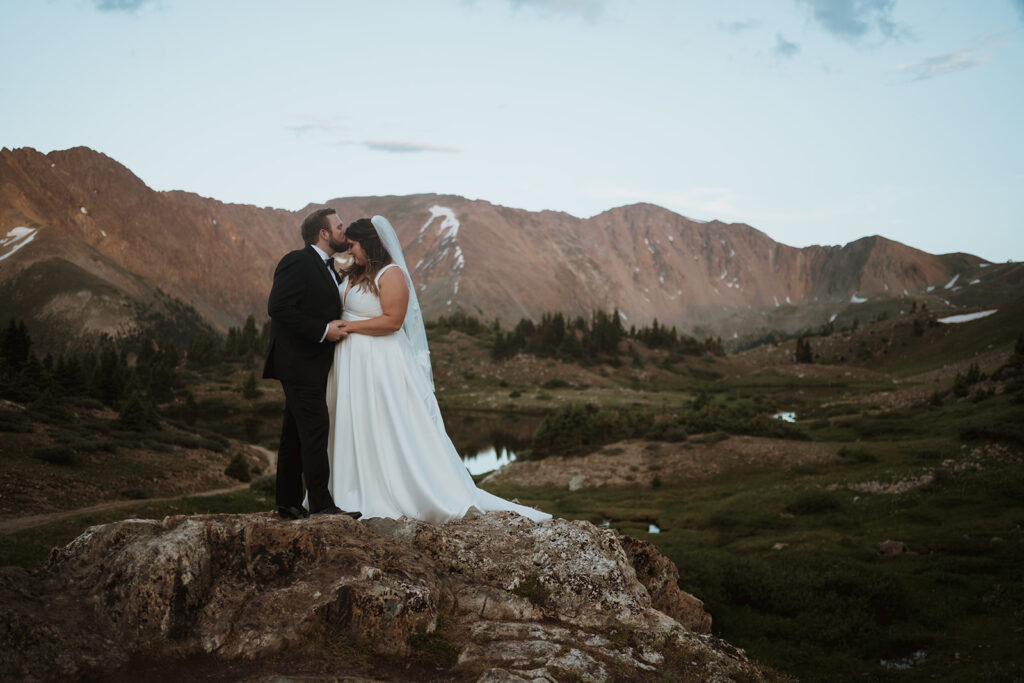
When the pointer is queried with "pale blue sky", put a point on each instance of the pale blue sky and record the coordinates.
(816, 121)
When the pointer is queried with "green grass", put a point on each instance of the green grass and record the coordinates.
(31, 547)
(828, 606)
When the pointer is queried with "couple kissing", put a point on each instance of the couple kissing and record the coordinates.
(361, 423)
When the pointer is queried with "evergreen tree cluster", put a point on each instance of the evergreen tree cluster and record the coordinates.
(601, 337)
(246, 343)
(463, 322)
(963, 381)
(555, 337)
(103, 371)
(100, 372)
(207, 349)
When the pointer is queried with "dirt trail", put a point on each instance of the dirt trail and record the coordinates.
(10, 526)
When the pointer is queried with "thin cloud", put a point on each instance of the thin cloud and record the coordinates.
(1019, 4)
(735, 27)
(404, 147)
(853, 20)
(939, 65)
(120, 5)
(784, 48)
(312, 124)
(587, 9)
(951, 62)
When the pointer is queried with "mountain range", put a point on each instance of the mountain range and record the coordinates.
(87, 247)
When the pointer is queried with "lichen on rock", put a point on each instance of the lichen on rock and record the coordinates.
(492, 597)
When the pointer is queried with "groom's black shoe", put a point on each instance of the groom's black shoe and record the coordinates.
(335, 510)
(292, 512)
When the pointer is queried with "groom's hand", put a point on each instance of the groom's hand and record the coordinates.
(336, 331)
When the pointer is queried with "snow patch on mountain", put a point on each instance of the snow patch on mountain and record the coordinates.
(15, 240)
(966, 317)
(449, 227)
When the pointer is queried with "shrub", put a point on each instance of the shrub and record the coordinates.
(929, 454)
(814, 502)
(57, 455)
(251, 389)
(138, 414)
(135, 493)
(711, 438)
(238, 468)
(577, 427)
(14, 421)
(979, 429)
(266, 485)
(251, 428)
(555, 383)
(675, 434)
(856, 454)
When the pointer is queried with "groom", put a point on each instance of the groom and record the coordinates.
(305, 312)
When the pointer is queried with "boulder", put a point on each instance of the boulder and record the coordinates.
(891, 548)
(251, 597)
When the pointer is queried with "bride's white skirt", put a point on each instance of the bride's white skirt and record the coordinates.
(389, 451)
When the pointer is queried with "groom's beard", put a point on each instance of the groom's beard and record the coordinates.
(337, 247)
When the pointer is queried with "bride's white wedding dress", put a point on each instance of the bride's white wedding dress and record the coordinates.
(390, 454)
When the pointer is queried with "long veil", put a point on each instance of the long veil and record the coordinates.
(413, 324)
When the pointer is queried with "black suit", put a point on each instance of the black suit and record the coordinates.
(302, 301)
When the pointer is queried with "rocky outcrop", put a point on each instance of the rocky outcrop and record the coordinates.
(491, 598)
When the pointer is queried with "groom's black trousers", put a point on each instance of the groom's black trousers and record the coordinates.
(305, 414)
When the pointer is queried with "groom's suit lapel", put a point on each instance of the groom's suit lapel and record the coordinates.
(318, 262)
(325, 277)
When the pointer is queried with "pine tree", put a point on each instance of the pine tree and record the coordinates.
(15, 345)
(803, 351)
(138, 414)
(251, 389)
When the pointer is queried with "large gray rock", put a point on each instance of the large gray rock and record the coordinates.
(490, 598)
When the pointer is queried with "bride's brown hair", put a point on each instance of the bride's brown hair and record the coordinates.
(363, 232)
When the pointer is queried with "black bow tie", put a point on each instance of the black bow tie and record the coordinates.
(330, 266)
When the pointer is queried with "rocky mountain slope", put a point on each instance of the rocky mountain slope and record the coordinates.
(251, 597)
(77, 211)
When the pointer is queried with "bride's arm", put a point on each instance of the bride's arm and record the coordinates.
(394, 299)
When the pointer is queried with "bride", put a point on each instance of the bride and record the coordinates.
(390, 454)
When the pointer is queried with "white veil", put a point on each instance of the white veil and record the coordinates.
(413, 324)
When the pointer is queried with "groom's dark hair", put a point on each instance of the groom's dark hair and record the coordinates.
(314, 223)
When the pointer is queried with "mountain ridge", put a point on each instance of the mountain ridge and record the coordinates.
(484, 259)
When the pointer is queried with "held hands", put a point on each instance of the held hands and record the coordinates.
(336, 331)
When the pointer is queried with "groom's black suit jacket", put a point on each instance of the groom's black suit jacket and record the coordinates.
(303, 299)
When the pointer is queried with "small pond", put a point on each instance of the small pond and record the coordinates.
(487, 441)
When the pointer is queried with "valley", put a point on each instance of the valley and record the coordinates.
(877, 534)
